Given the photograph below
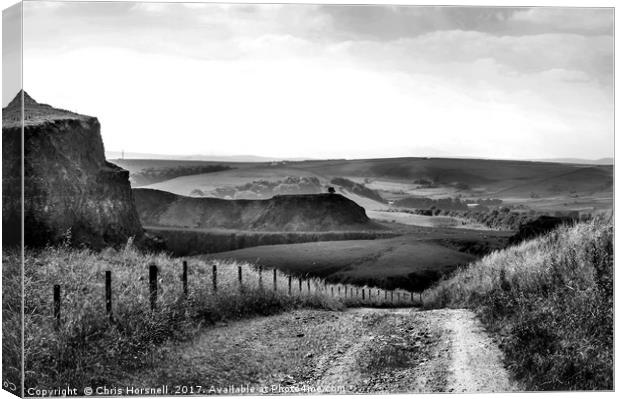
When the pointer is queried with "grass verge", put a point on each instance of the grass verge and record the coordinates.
(550, 302)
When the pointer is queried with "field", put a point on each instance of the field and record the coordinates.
(411, 261)
(184, 242)
(550, 303)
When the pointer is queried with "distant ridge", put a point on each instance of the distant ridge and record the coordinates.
(214, 158)
(580, 161)
(262, 159)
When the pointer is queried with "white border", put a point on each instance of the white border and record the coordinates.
(503, 3)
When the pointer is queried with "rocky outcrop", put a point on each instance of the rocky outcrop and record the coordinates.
(286, 213)
(70, 190)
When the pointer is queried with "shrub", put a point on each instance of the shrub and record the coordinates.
(358, 188)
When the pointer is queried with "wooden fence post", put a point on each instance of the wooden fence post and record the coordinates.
(260, 277)
(240, 272)
(108, 293)
(338, 290)
(275, 280)
(153, 286)
(308, 285)
(290, 284)
(300, 282)
(332, 290)
(214, 278)
(184, 277)
(57, 304)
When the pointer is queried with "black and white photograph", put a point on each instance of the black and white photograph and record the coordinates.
(244, 199)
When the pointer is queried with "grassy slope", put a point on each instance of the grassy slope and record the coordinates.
(551, 302)
(494, 175)
(386, 263)
(137, 165)
(87, 349)
(410, 261)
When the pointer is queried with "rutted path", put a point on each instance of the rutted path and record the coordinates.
(359, 350)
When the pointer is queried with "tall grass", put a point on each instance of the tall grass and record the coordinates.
(550, 301)
(12, 321)
(87, 348)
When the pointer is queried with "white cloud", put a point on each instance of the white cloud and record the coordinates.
(262, 80)
(598, 20)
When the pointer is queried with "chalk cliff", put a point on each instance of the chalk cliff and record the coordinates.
(70, 190)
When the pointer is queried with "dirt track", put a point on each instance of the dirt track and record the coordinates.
(359, 350)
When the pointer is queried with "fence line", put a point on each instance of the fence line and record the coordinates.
(153, 286)
(320, 286)
(57, 304)
(108, 293)
(214, 279)
(184, 278)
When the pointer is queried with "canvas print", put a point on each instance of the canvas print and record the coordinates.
(260, 199)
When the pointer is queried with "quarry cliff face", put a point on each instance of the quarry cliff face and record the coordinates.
(286, 213)
(68, 184)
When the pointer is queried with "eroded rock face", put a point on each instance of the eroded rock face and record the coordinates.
(285, 213)
(69, 187)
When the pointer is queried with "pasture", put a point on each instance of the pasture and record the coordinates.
(411, 261)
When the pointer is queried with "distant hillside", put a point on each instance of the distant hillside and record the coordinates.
(201, 158)
(600, 161)
(466, 177)
(145, 172)
(512, 178)
(318, 212)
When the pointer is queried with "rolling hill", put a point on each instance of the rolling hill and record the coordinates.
(449, 177)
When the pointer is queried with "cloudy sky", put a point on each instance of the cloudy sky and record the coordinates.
(325, 81)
